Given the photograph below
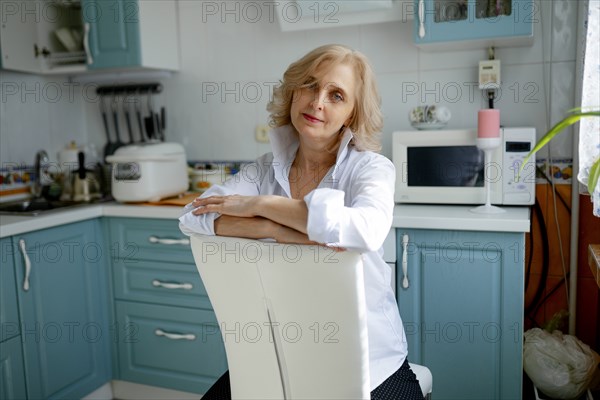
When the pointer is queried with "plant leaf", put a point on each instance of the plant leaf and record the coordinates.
(556, 129)
(594, 176)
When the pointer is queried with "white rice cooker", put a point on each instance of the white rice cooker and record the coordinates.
(148, 172)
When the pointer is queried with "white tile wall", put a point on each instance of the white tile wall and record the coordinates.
(220, 53)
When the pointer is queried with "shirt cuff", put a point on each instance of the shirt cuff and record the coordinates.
(325, 210)
(203, 224)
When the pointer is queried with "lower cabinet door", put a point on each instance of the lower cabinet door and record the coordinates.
(463, 310)
(62, 292)
(173, 347)
(12, 377)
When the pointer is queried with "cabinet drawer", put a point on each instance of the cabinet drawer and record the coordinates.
(178, 348)
(148, 239)
(158, 282)
(9, 317)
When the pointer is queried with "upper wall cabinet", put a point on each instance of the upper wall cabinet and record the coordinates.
(466, 24)
(76, 36)
(295, 15)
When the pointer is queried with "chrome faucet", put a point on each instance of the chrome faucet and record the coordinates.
(41, 157)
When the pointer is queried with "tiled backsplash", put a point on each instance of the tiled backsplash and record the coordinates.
(215, 102)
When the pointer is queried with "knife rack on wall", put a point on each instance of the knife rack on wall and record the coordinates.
(124, 103)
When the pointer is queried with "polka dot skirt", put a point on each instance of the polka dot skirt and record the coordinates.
(402, 384)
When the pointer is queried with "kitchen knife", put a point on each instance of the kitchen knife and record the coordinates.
(163, 122)
(152, 117)
(126, 107)
(110, 147)
(114, 106)
(138, 113)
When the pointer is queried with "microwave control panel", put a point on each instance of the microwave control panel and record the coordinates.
(518, 185)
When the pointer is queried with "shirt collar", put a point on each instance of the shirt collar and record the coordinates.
(284, 144)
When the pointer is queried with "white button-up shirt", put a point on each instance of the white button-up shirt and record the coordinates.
(351, 208)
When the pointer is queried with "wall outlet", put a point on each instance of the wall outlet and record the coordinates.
(262, 133)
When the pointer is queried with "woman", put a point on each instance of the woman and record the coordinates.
(323, 183)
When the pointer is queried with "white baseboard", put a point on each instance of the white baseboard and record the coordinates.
(123, 390)
(104, 392)
(134, 391)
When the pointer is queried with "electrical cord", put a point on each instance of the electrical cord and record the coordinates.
(491, 98)
(550, 293)
(545, 256)
(560, 197)
(529, 260)
(548, 105)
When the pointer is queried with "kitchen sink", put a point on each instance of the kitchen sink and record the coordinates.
(36, 206)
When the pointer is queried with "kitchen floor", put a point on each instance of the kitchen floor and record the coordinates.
(529, 394)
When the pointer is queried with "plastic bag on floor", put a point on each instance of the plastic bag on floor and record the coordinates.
(559, 365)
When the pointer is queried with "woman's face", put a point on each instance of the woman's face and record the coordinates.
(320, 108)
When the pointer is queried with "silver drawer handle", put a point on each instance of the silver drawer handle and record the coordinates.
(405, 283)
(154, 239)
(167, 285)
(23, 247)
(86, 43)
(421, 19)
(175, 336)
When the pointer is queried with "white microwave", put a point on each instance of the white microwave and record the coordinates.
(446, 167)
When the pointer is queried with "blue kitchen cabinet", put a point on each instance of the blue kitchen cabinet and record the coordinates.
(474, 23)
(12, 376)
(9, 314)
(113, 33)
(463, 309)
(62, 288)
(172, 347)
(118, 37)
(168, 334)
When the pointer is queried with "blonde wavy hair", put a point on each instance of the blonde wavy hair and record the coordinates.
(366, 120)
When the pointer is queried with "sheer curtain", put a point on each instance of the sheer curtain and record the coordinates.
(589, 128)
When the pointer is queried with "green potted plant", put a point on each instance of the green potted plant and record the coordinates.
(574, 116)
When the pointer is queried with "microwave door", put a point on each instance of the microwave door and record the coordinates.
(445, 166)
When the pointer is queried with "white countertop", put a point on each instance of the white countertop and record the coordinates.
(515, 219)
(15, 224)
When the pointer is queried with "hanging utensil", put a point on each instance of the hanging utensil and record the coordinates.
(126, 107)
(138, 114)
(114, 106)
(150, 122)
(110, 146)
(158, 127)
(163, 122)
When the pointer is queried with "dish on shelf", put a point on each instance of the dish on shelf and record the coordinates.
(429, 117)
(424, 126)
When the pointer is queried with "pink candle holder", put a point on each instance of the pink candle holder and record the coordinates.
(488, 138)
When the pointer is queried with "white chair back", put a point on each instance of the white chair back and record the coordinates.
(292, 317)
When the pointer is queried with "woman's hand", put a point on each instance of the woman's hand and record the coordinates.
(234, 205)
